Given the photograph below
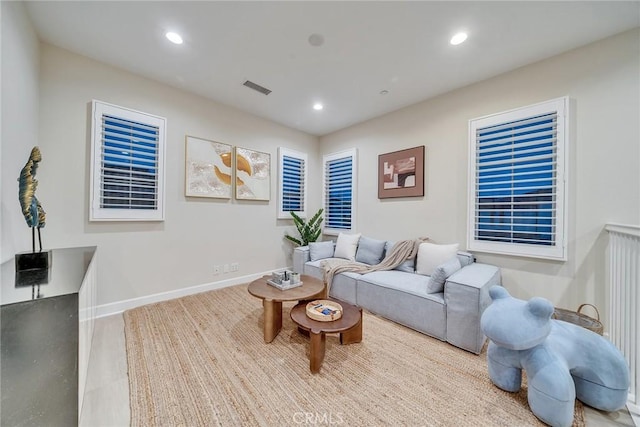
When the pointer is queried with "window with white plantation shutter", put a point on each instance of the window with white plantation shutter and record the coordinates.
(292, 178)
(127, 168)
(518, 181)
(339, 191)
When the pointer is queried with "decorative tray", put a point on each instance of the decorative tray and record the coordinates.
(283, 287)
(324, 310)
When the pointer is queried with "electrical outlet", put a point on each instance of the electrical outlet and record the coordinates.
(225, 269)
(216, 269)
(235, 266)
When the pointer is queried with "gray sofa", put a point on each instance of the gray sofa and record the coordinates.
(401, 296)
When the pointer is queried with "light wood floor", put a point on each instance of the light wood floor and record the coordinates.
(106, 399)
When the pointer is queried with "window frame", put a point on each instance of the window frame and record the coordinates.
(286, 152)
(558, 251)
(97, 213)
(353, 153)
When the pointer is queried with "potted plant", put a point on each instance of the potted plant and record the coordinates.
(309, 231)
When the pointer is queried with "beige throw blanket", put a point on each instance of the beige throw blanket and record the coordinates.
(401, 251)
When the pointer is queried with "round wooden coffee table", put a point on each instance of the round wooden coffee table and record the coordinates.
(273, 297)
(349, 326)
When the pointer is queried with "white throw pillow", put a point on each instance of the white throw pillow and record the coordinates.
(430, 256)
(346, 246)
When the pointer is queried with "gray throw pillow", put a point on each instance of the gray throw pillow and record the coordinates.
(465, 258)
(370, 251)
(409, 266)
(320, 250)
(441, 273)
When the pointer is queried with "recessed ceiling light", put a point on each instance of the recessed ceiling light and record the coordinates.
(317, 106)
(458, 38)
(384, 92)
(316, 39)
(173, 37)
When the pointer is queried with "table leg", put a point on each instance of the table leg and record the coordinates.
(272, 319)
(353, 335)
(316, 351)
(304, 332)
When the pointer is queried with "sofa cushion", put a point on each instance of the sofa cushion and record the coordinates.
(370, 251)
(407, 282)
(346, 246)
(343, 287)
(320, 250)
(315, 269)
(441, 273)
(431, 255)
(409, 266)
(402, 297)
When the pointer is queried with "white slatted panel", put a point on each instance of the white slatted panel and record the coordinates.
(339, 193)
(624, 301)
(127, 164)
(293, 185)
(129, 178)
(516, 181)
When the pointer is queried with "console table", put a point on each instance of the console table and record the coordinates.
(46, 331)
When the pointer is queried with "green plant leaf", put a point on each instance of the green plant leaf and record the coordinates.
(309, 231)
(294, 240)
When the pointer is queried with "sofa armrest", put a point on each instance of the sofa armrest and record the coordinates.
(300, 257)
(466, 295)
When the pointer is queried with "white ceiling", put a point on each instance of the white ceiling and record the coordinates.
(401, 47)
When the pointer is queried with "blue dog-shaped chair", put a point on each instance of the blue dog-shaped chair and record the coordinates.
(562, 361)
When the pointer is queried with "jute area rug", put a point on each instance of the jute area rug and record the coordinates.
(201, 361)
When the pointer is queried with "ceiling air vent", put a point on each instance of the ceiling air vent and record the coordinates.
(257, 87)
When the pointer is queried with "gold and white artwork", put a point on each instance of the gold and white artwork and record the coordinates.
(208, 168)
(253, 174)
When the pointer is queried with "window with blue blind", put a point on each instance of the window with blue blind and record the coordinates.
(127, 164)
(292, 195)
(339, 192)
(518, 181)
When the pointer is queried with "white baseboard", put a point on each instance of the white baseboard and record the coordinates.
(118, 307)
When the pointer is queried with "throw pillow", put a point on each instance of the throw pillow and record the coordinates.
(431, 255)
(370, 251)
(465, 258)
(409, 266)
(346, 246)
(441, 273)
(320, 250)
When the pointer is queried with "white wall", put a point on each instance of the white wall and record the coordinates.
(136, 258)
(139, 259)
(602, 80)
(20, 55)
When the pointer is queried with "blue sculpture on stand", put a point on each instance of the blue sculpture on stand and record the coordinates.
(562, 360)
(31, 207)
(28, 264)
